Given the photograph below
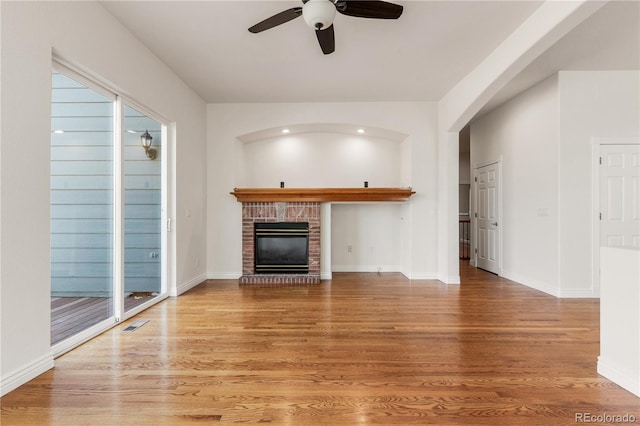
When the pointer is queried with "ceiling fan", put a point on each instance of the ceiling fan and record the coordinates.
(319, 15)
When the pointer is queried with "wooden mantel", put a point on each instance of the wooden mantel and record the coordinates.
(260, 195)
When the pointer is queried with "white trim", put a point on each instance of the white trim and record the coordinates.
(619, 375)
(118, 210)
(326, 233)
(165, 199)
(596, 143)
(172, 243)
(71, 71)
(326, 275)
(28, 372)
(188, 285)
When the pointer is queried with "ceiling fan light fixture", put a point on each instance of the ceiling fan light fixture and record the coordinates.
(319, 14)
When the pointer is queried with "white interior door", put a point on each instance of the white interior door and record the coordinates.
(487, 222)
(620, 196)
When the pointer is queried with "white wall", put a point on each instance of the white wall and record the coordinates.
(85, 34)
(544, 137)
(366, 237)
(592, 104)
(409, 163)
(316, 160)
(619, 358)
(523, 133)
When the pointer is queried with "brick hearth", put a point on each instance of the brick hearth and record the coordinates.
(280, 212)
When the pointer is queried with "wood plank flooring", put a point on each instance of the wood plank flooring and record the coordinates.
(359, 349)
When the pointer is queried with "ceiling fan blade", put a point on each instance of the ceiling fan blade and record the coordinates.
(327, 40)
(369, 9)
(277, 19)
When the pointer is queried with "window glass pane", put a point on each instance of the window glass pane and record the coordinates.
(142, 208)
(81, 207)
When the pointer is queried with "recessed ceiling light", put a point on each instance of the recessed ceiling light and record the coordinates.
(58, 132)
(285, 131)
(360, 131)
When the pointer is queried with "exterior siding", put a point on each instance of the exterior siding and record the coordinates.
(82, 195)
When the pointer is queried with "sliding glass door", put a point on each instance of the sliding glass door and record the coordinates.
(143, 200)
(82, 204)
(108, 192)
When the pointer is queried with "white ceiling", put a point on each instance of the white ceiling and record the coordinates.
(608, 40)
(418, 57)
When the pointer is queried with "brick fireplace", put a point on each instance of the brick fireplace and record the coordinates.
(296, 205)
(274, 212)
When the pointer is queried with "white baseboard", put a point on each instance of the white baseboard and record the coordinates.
(422, 276)
(28, 372)
(326, 275)
(223, 275)
(448, 279)
(365, 268)
(181, 288)
(548, 288)
(530, 282)
(577, 294)
(621, 376)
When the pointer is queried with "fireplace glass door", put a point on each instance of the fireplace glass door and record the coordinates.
(282, 248)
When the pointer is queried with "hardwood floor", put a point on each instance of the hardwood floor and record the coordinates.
(360, 349)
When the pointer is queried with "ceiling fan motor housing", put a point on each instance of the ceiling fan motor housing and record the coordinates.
(319, 14)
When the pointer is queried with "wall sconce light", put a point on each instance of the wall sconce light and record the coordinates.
(146, 140)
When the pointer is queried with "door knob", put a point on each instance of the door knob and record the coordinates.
(494, 223)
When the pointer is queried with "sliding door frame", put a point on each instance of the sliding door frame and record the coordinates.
(167, 206)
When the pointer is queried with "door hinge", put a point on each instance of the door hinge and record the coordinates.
(169, 225)
(601, 161)
(476, 251)
(476, 179)
(600, 216)
(475, 214)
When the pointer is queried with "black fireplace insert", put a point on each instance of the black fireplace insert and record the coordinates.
(281, 248)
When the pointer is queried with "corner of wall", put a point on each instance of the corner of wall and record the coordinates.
(188, 285)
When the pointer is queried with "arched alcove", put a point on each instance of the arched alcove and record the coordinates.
(313, 155)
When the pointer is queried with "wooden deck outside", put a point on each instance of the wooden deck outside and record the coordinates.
(359, 349)
(70, 315)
